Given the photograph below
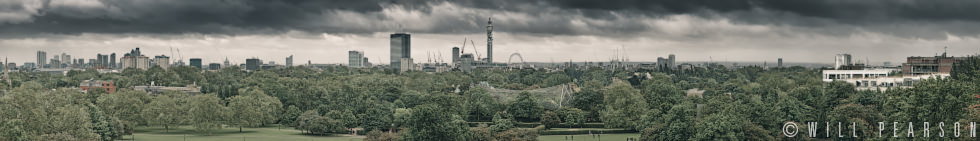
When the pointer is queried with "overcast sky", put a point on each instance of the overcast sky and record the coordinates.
(541, 30)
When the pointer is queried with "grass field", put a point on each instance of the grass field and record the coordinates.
(231, 134)
(605, 137)
(289, 134)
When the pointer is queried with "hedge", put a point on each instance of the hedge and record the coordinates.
(579, 132)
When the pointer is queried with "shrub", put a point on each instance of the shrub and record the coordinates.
(376, 135)
(517, 134)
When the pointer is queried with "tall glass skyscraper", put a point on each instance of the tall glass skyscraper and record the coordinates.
(401, 47)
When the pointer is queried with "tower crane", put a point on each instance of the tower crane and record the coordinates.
(463, 49)
(474, 48)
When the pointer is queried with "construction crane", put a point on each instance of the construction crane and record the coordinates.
(474, 48)
(463, 49)
(181, 55)
(172, 54)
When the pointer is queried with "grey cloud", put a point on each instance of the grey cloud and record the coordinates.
(929, 19)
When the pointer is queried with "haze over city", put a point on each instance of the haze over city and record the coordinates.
(541, 30)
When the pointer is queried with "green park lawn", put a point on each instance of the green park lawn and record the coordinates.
(586, 137)
(272, 133)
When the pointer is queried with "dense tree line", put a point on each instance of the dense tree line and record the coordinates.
(746, 103)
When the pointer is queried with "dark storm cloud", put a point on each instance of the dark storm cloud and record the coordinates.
(847, 11)
(905, 18)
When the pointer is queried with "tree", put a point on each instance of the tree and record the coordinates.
(590, 99)
(429, 123)
(525, 108)
(13, 130)
(125, 105)
(346, 119)
(289, 117)
(574, 116)
(311, 122)
(378, 117)
(502, 122)
(245, 111)
(479, 104)
(401, 117)
(550, 120)
(207, 113)
(164, 111)
(108, 128)
(621, 107)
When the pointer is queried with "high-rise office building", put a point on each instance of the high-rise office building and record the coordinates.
(779, 63)
(55, 63)
(842, 60)
(289, 61)
(196, 62)
(455, 55)
(253, 64)
(365, 63)
(41, 59)
(214, 66)
(100, 60)
(112, 61)
(401, 48)
(66, 59)
(133, 59)
(163, 61)
(105, 61)
(355, 59)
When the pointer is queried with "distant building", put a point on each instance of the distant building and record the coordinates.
(41, 59)
(289, 61)
(873, 79)
(10, 66)
(407, 65)
(227, 63)
(455, 55)
(112, 61)
(401, 48)
(253, 64)
(80, 62)
(355, 59)
(98, 61)
(163, 61)
(189, 89)
(196, 62)
(842, 60)
(108, 86)
(466, 62)
(66, 59)
(133, 59)
(929, 65)
(214, 66)
(780, 63)
(55, 63)
(365, 63)
(28, 66)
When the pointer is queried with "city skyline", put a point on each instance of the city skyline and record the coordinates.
(541, 31)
